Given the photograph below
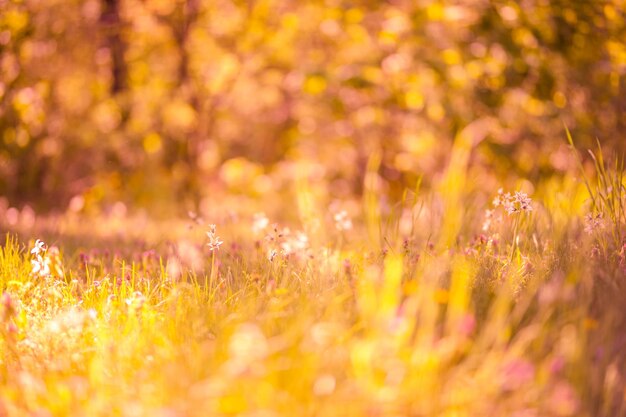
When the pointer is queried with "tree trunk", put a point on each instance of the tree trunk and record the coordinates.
(112, 27)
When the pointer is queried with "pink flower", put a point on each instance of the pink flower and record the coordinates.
(517, 373)
(593, 222)
(516, 203)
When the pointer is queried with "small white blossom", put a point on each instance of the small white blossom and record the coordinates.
(259, 222)
(497, 201)
(277, 235)
(40, 264)
(298, 243)
(489, 219)
(39, 249)
(214, 240)
(342, 221)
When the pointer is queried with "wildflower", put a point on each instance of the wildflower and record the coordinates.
(593, 222)
(519, 202)
(497, 201)
(301, 241)
(46, 262)
(489, 219)
(271, 254)
(295, 244)
(40, 266)
(259, 222)
(285, 232)
(215, 243)
(39, 249)
(287, 248)
(275, 235)
(342, 221)
(136, 300)
(83, 259)
(523, 201)
(195, 218)
(214, 240)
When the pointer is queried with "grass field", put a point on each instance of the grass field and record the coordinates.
(312, 208)
(458, 301)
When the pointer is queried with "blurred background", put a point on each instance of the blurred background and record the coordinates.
(166, 104)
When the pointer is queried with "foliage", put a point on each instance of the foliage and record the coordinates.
(169, 101)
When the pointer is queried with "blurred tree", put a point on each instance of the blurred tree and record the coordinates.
(170, 90)
(112, 27)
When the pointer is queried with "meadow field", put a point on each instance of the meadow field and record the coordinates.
(428, 309)
(330, 208)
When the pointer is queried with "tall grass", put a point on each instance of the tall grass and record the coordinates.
(421, 311)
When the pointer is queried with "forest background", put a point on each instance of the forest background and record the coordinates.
(166, 104)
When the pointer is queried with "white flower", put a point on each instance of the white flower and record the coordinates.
(287, 248)
(488, 220)
(498, 200)
(40, 247)
(277, 235)
(297, 243)
(40, 266)
(214, 240)
(342, 221)
(259, 222)
(214, 244)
